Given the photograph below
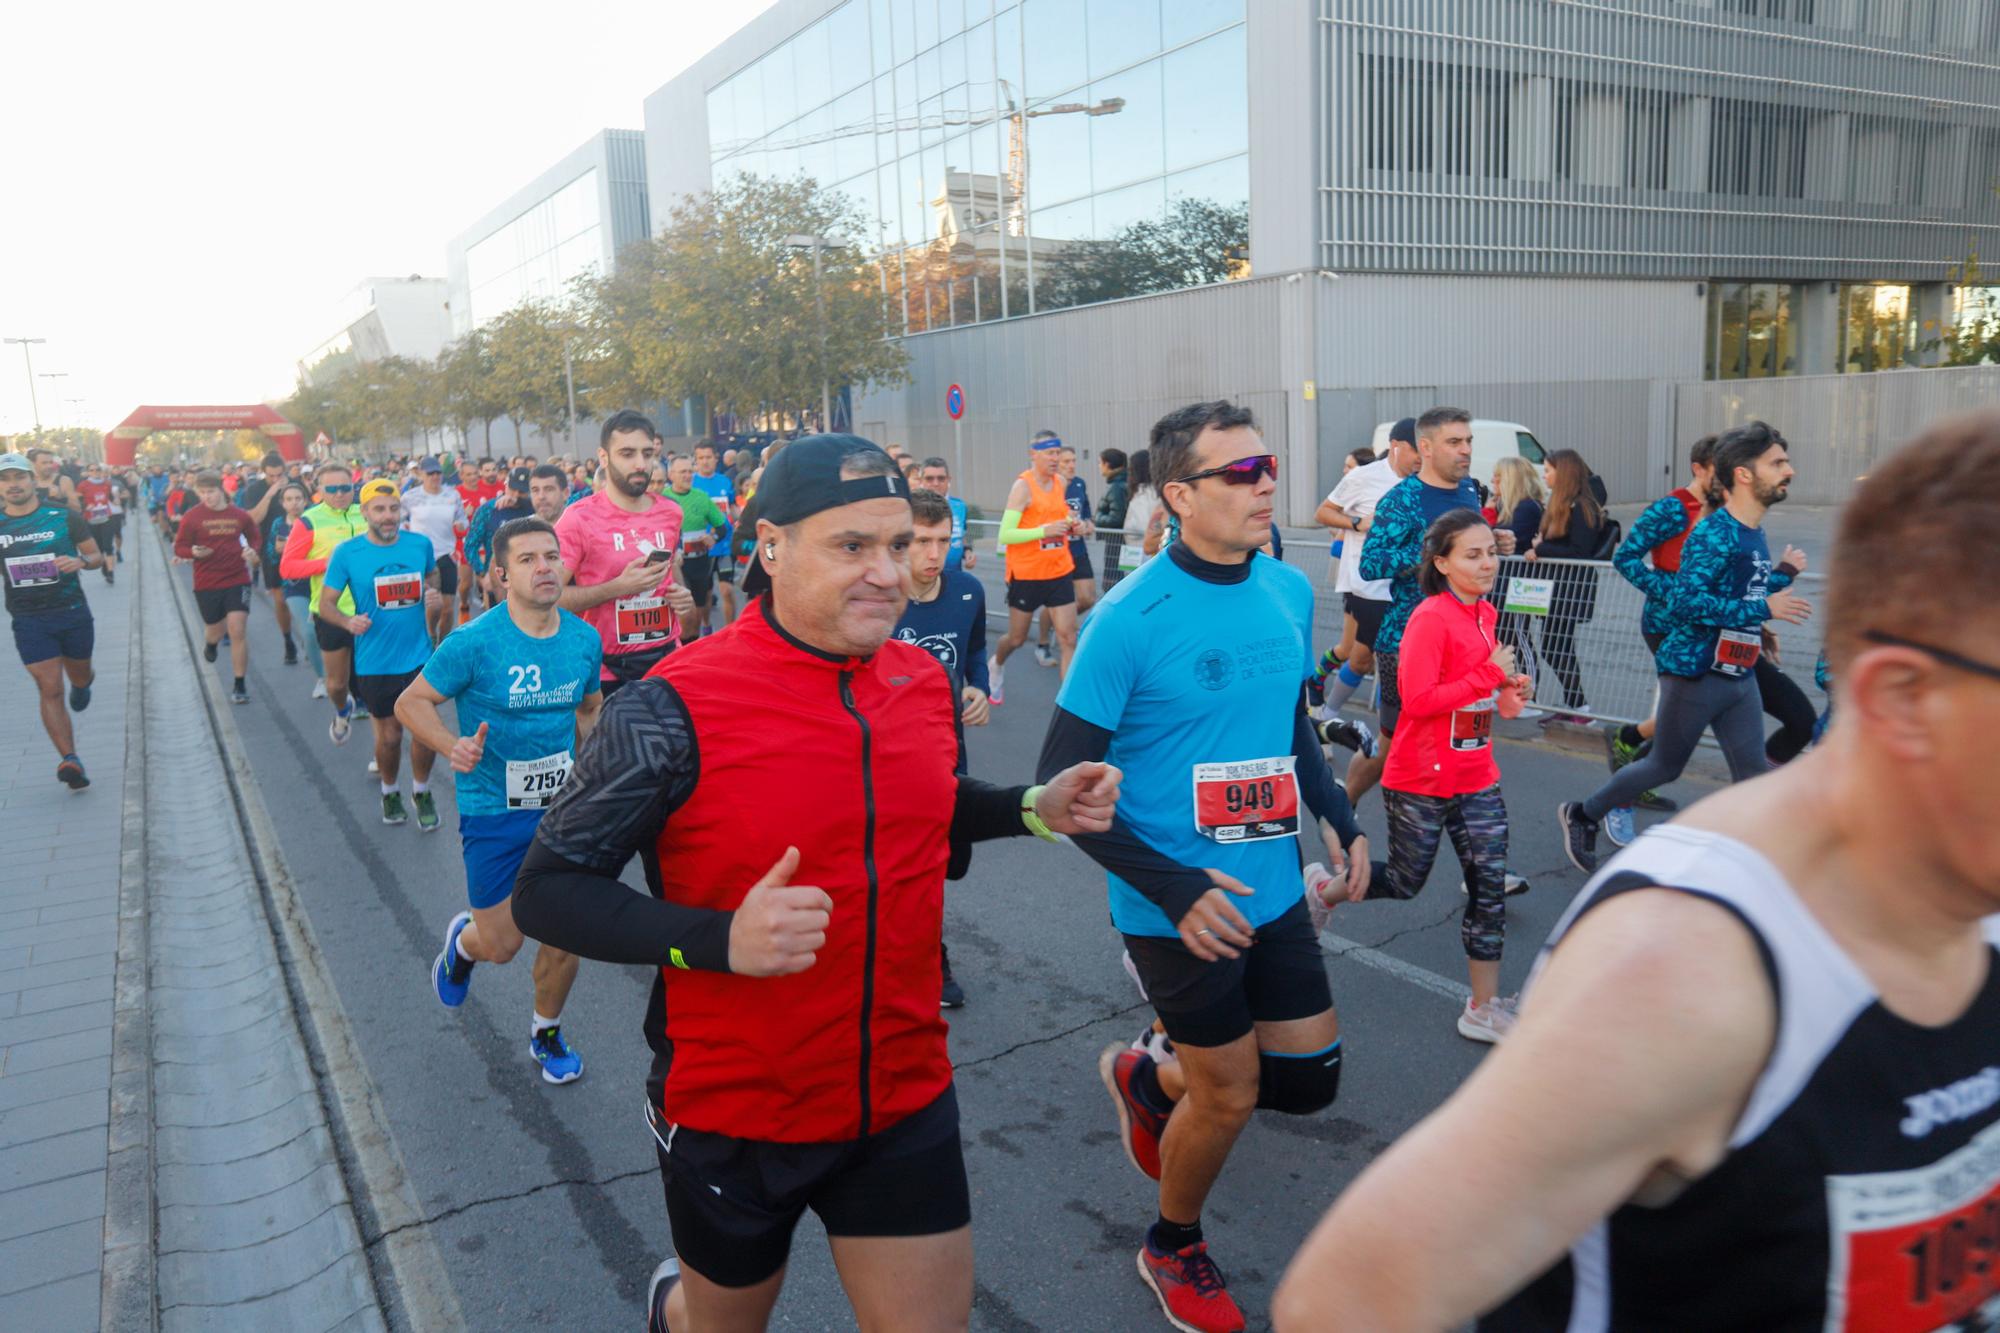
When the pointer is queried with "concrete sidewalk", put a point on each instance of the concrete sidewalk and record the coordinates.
(165, 1157)
(59, 923)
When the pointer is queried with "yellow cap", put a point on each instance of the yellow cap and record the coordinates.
(377, 489)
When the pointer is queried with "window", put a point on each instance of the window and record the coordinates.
(1752, 330)
(1877, 328)
(1757, 148)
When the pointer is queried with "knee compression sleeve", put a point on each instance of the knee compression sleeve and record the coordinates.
(1298, 1084)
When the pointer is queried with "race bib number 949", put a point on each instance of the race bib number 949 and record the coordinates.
(1917, 1250)
(1248, 800)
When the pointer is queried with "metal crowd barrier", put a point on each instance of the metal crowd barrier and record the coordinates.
(1580, 610)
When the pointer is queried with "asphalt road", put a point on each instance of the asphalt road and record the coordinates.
(546, 1201)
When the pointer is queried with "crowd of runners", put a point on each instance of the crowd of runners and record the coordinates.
(1751, 1085)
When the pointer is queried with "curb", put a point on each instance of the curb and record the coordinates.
(126, 1298)
(392, 1225)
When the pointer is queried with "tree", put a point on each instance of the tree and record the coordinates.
(1198, 242)
(526, 344)
(469, 392)
(720, 306)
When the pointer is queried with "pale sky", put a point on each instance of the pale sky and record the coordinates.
(190, 189)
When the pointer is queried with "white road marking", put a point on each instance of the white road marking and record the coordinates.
(1396, 967)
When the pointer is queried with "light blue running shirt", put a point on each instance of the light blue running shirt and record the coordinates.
(526, 690)
(1199, 684)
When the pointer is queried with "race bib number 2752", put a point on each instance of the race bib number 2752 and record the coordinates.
(1247, 800)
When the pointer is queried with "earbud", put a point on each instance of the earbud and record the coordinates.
(771, 550)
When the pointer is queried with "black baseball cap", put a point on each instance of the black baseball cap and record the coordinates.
(804, 479)
(518, 479)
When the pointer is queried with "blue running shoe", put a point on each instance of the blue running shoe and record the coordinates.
(559, 1061)
(451, 974)
(1618, 826)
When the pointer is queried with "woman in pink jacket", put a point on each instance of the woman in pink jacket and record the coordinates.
(1441, 778)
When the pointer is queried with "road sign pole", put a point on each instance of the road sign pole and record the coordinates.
(958, 449)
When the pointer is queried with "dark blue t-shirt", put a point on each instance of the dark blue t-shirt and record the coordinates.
(1439, 500)
(952, 628)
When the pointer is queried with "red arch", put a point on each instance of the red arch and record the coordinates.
(122, 444)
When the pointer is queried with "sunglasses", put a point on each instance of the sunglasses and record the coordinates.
(1243, 472)
(336, 490)
(1944, 655)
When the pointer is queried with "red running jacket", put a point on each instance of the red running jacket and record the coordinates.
(850, 761)
(1444, 743)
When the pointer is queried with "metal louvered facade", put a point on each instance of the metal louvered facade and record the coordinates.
(1829, 139)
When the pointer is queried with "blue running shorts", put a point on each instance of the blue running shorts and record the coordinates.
(495, 846)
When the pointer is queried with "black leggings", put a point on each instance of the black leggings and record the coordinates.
(1559, 651)
(1785, 701)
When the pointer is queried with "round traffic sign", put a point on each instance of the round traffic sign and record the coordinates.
(954, 402)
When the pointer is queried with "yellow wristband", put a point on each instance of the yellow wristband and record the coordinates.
(1032, 820)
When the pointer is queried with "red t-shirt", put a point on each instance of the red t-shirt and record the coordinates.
(219, 531)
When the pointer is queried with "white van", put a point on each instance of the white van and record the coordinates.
(1491, 442)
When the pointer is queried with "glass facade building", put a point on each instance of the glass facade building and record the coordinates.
(534, 256)
(571, 219)
(1011, 156)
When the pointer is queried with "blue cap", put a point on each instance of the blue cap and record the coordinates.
(430, 464)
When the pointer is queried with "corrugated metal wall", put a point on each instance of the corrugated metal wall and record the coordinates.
(1578, 361)
(1811, 138)
(1839, 426)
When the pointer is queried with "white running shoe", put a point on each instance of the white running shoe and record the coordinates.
(319, 688)
(1489, 1022)
(374, 770)
(993, 678)
(339, 728)
(1044, 655)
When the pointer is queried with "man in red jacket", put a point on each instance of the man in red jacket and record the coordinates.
(799, 1059)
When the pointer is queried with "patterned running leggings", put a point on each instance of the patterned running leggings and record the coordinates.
(1477, 824)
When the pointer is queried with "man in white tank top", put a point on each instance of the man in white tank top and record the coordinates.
(1756, 1080)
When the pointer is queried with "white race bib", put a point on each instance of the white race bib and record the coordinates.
(1737, 651)
(1247, 800)
(641, 620)
(393, 592)
(32, 571)
(532, 784)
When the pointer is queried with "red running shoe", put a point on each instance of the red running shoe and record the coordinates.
(1138, 1127)
(1191, 1289)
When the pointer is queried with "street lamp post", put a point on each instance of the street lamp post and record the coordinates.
(816, 244)
(33, 403)
(569, 383)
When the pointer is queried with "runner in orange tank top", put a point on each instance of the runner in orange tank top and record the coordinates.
(1035, 533)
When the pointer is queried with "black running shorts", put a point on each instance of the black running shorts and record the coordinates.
(216, 603)
(1281, 977)
(381, 692)
(698, 574)
(734, 1202)
(1367, 613)
(1080, 554)
(447, 569)
(331, 638)
(1031, 595)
